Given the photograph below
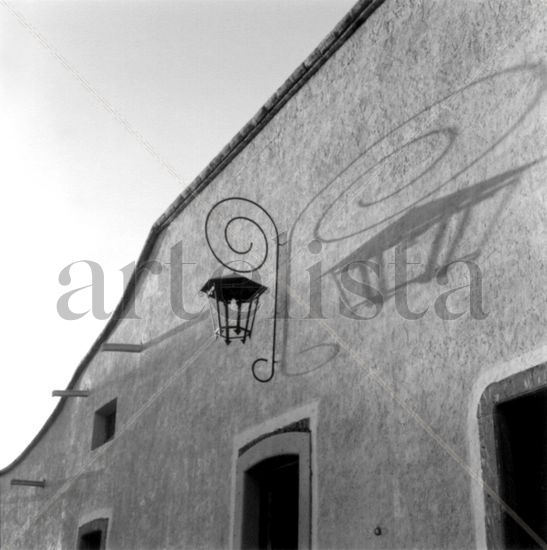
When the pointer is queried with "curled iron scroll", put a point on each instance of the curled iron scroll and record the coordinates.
(228, 241)
(245, 251)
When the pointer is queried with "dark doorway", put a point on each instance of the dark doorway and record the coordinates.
(270, 507)
(522, 454)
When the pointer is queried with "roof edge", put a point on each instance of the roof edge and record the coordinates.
(326, 48)
(362, 10)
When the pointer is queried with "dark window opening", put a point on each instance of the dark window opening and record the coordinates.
(270, 505)
(104, 424)
(522, 454)
(92, 535)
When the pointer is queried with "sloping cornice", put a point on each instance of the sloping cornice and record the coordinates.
(332, 42)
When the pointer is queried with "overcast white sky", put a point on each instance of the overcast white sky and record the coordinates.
(77, 184)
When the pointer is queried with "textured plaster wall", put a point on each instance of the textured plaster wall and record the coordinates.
(424, 133)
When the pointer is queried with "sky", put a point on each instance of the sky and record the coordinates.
(108, 110)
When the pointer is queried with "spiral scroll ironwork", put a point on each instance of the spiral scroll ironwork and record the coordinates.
(260, 263)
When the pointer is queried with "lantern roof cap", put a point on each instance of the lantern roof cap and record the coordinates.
(233, 287)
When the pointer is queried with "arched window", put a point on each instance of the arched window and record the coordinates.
(273, 492)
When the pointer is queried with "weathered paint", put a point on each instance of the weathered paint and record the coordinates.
(436, 111)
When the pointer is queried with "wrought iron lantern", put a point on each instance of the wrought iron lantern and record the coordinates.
(235, 298)
(234, 302)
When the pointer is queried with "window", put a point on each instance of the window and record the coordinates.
(104, 424)
(92, 535)
(273, 507)
(513, 431)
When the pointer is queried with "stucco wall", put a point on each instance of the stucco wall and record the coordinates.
(424, 134)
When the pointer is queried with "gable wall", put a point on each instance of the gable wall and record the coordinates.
(430, 115)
